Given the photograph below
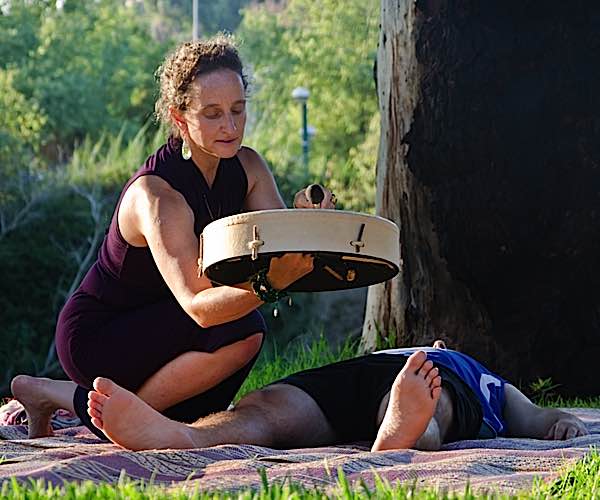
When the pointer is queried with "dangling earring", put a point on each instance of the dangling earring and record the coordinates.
(186, 152)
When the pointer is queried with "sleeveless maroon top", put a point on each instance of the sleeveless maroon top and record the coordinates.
(125, 276)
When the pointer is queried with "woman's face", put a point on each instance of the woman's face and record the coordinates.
(216, 116)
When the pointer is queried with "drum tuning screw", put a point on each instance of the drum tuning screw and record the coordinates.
(358, 243)
(255, 244)
(350, 275)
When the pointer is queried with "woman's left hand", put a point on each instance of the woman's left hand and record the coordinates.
(301, 198)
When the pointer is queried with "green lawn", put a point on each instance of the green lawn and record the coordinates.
(578, 482)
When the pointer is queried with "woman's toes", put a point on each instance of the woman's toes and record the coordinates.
(98, 423)
(105, 386)
(94, 405)
(97, 397)
(94, 412)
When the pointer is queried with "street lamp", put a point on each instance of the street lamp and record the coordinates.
(195, 21)
(301, 95)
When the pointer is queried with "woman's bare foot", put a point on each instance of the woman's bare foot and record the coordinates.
(413, 399)
(129, 422)
(32, 393)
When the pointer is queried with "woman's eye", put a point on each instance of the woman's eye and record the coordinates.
(212, 116)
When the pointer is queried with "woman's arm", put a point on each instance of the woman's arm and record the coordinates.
(262, 188)
(154, 214)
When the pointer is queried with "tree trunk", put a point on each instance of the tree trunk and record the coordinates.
(488, 162)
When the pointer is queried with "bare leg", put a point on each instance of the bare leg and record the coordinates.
(194, 372)
(413, 399)
(278, 416)
(525, 419)
(41, 397)
(190, 374)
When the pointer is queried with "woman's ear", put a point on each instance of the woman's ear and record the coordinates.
(179, 121)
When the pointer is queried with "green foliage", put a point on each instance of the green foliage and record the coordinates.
(330, 48)
(388, 341)
(19, 25)
(86, 69)
(220, 15)
(581, 481)
(35, 262)
(20, 138)
(543, 390)
(274, 364)
(22, 124)
(43, 259)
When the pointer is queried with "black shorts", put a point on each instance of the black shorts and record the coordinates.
(350, 392)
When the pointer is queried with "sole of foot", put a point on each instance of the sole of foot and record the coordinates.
(130, 422)
(413, 399)
(31, 392)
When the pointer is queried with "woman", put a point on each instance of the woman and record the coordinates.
(142, 314)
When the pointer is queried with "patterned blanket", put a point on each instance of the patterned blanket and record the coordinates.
(506, 465)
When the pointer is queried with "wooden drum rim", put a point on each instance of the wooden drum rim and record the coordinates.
(362, 239)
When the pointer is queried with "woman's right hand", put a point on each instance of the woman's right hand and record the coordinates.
(290, 267)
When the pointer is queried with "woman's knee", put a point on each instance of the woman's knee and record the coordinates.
(241, 351)
(252, 345)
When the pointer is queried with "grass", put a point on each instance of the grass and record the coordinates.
(273, 365)
(580, 481)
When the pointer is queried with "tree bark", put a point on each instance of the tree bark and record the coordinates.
(489, 164)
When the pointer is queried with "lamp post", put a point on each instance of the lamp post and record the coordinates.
(195, 21)
(301, 95)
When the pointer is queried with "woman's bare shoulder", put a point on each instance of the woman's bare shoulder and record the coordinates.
(151, 192)
(252, 161)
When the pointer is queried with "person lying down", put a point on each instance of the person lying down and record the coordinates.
(417, 398)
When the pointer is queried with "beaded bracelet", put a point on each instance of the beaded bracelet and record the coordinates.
(263, 289)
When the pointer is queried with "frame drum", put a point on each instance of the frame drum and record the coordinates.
(350, 249)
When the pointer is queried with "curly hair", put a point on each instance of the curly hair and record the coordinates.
(184, 64)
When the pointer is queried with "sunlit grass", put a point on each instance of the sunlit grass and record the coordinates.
(274, 365)
(580, 482)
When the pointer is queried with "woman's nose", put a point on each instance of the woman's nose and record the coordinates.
(229, 124)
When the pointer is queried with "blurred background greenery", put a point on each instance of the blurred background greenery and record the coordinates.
(77, 87)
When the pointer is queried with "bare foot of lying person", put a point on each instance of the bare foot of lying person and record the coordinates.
(130, 422)
(31, 392)
(413, 399)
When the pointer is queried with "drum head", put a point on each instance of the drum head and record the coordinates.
(331, 271)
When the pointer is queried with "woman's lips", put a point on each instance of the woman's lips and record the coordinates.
(230, 141)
